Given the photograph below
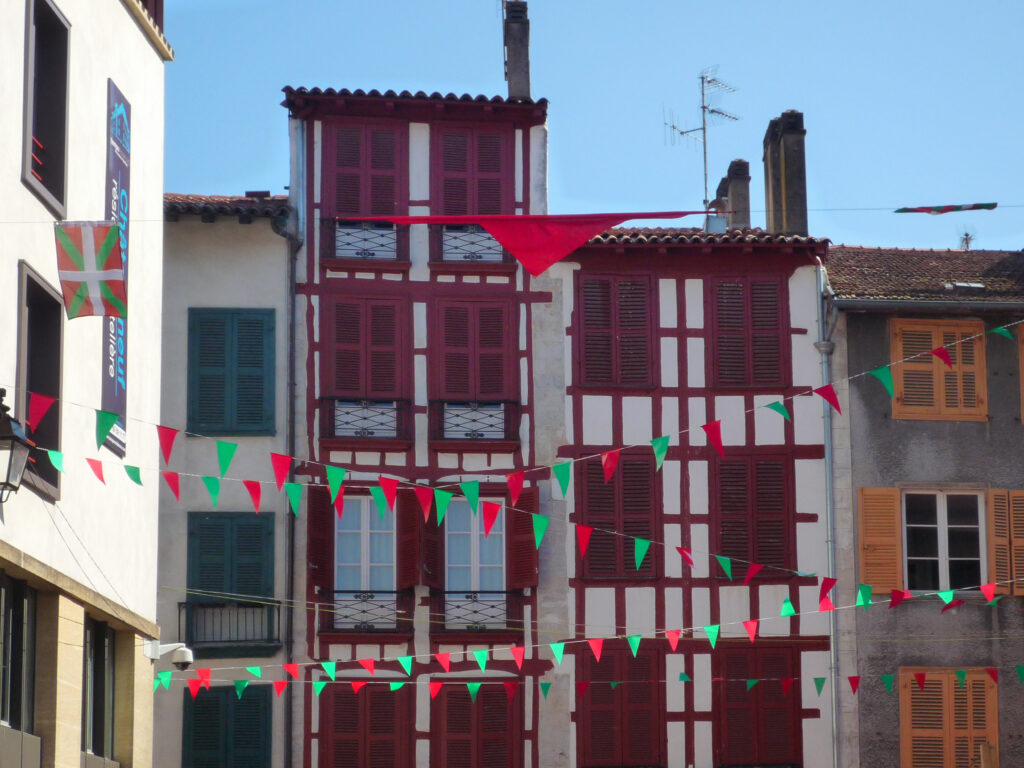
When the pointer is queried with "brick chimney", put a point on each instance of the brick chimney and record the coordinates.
(517, 49)
(733, 194)
(785, 175)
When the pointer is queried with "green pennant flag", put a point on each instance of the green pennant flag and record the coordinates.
(640, 547)
(441, 501)
(712, 632)
(398, 686)
(726, 564)
(318, 686)
(544, 688)
(660, 446)
(884, 375)
(294, 493)
(382, 502)
(961, 677)
(685, 678)
(1020, 673)
(634, 643)
(156, 684)
(540, 526)
(751, 682)
(105, 421)
(335, 477)
(406, 662)
(255, 671)
(946, 596)
(57, 459)
(780, 409)
(995, 599)
(240, 686)
(474, 689)
(1002, 331)
(558, 649)
(481, 659)
(330, 667)
(887, 679)
(165, 679)
(213, 488)
(864, 596)
(614, 684)
(225, 453)
(563, 472)
(787, 608)
(134, 473)
(819, 683)
(471, 490)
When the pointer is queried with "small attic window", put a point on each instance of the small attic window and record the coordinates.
(962, 286)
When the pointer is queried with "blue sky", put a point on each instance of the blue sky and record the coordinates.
(905, 103)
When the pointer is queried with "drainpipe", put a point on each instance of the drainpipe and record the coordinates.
(825, 347)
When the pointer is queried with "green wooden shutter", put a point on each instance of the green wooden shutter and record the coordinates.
(252, 571)
(209, 334)
(248, 743)
(204, 735)
(209, 554)
(253, 402)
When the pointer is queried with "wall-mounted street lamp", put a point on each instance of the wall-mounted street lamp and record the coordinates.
(14, 449)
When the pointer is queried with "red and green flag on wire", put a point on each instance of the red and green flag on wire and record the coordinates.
(91, 268)
(937, 209)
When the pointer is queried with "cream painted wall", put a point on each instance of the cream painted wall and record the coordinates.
(107, 537)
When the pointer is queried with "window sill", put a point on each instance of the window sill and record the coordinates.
(192, 430)
(474, 268)
(467, 637)
(391, 266)
(939, 417)
(338, 637)
(365, 444)
(474, 446)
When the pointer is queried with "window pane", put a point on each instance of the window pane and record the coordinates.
(922, 574)
(458, 519)
(459, 549)
(353, 514)
(964, 573)
(921, 509)
(381, 549)
(491, 550)
(491, 578)
(962, 510)
(378, 523)
(922, 542)
(459, 578)
(382, 577)
(349, 578)
(964, 542)
(348, 548)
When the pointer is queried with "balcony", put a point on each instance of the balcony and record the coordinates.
(364, 244)
(478, 611)
(495, 424)
(359, 423)
(230, 628)
(466, 244)
(367, 611)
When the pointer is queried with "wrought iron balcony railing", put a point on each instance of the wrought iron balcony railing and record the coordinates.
(470, 243)
(367, 611)
(207, 624)
(462, 611)
(476, 421)
(372, 419)
(369, 240)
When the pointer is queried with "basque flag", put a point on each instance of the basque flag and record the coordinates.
(91, 268)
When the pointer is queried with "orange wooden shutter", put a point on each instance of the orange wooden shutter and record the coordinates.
(924, 719)
(1000, 561)
(974, 717)
(914, 379)
(964, 387)
(1017, 539)
(881, 538)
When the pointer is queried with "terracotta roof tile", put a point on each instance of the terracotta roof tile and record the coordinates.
(291, 93)
(225, 205)
(925, 275)
(696, 235)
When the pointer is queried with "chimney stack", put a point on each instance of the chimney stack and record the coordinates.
(785, 175)
(517, 49)
(733, 195)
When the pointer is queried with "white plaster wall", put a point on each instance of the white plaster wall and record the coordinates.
(734, 609)
(730, 411)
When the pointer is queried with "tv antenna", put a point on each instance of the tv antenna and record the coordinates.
(710, 86)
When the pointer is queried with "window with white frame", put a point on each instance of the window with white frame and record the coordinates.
(476, 563)
(945, 539)
(364, 568)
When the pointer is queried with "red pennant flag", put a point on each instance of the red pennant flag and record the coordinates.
(952, 605)
(97, 469)
(518, 652)
(490, 513)
(357, 685)
(339, 502)
(787, 685)
(583, 537)
(281, 464)
(751, 626)
(829, 394)
(166, 435)
(827, 582)
(673, 637)
(581, 687)
(279, 686)
(390, 487)
(515, 487)
(993, 673)
(943, 354)
(204, 677)
(854, 683)
(445, 660)
(897, 596)
(435, 688)
(826, 605)
(714, 432)
(367, 664)
(292, 669)
(194, 685)
(989, 591)
(253, 487)
(686, 555)
(752, 571)
(596, 644)
(511, 686)
(919, 678)
(609, 461)
(38, 405)
(426, 497)
(173, 483)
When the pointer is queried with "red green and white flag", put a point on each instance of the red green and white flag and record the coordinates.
(937, 209)
(91, 268)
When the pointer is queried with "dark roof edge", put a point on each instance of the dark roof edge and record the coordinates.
(924, 305)
(250, 207)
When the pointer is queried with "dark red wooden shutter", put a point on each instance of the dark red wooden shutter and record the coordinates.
(771, 517)
(641, 727)
(636, 485)
(597, 330)
(492, 351)
(456, 727)
(407, 527)
(599, 730)
(520, 547)
(490, 173)
(737, 719)
(734, 513)
(345, 354)
(456, 352)
(320, 545)
(778, 714)
(384, 726)
(766, 333)
(633, 320)
(730, 329)
(495, 728)
(383, 171)
(348, 175)
(340, 727)
(455, 173)
(384, 335)
(597, 509)
(432, 553)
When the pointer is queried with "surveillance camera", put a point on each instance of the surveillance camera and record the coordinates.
(182, 658)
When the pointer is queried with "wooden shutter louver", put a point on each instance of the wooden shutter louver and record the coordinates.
(456, 353)
(253, 554)
(495, 721)
(603, 557)
(432, 552)
(641, 731)
(254, 370)
(520, 547)
(599, 735)
(407, 525)
(209, 556)
(209, 335)
(918, 373)
(380, 727)
(924, 387)
(734, 524)
(489, 173)
(634, 340)
(365, 339)
(881, 539)
(455, 173)
(457, 725)
(320, 545)
(730, 329)
(383, 350)
(250, 728)
(636, 479)
(340, 727)
(928, 708)
(348, 155)
(739, 717)
(1016, 499)
(778, 712)
(492, 331)
(766, 337)
(1000, 550)
(383, 172)
(348, 349)
(748, 342)
(206, 720)
(771, 508)
(596, 294)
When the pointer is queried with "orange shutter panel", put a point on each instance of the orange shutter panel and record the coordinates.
(924, 720)
(1000, 563)
(881, 539)
(964, 387)
(914, 379)
(1017, 539)
(975, 721)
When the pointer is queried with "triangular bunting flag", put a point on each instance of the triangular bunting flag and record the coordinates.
(133, 473)
(634, 644)
(640, 547)
(474, 689)
(97, 469)
(390, 487)
(165, 678)
(330, 667)
(819, 683)
(544, 688)
(751, 626)
(367, 664)
(441, 501)
(511, 686)
(481, 659)
(540, 527)
(583, 537)
(490, 513)
(255, 492)
(318, 686)
(105, 421)
(826, 605)
(563, 472)
(828, 392)
(685, 553)
(557, 649)
(943, 354)
(294, 493)
(673, 637)
(292, 669)
(864, 596)
(660, 446)
(335, 478)
(897, 596)
(396, 686)
(426, 498)
(1019, 669)
(919, 678)
(212, 487)
(445, 660)
(827, 583)
(204, 677)
(357, 685)
(887, 681)
(609, 461)
(518, 652)
(381, 499)
(685, 678)
(171, 478)
(435, 688)
(952, 605)
(961, 677)
(726, 564)
(406, 662)
(581, 687)
(989, 591)
(779, 408)
(752, 570)
(471, 490)
(339, 502)
(194, 685)
(884, 375)
(282, 466)
(854, 683)
(255, 671)
(596, 644)
(166, 436)
(515, 487)
(57, 460)
(945, 595)
(712, 632)
(240, 686)
(1002, 331)
(787, 685)
(787, 608)
(225, 453)
(713, 430)
(751, 682)
(38, 406)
